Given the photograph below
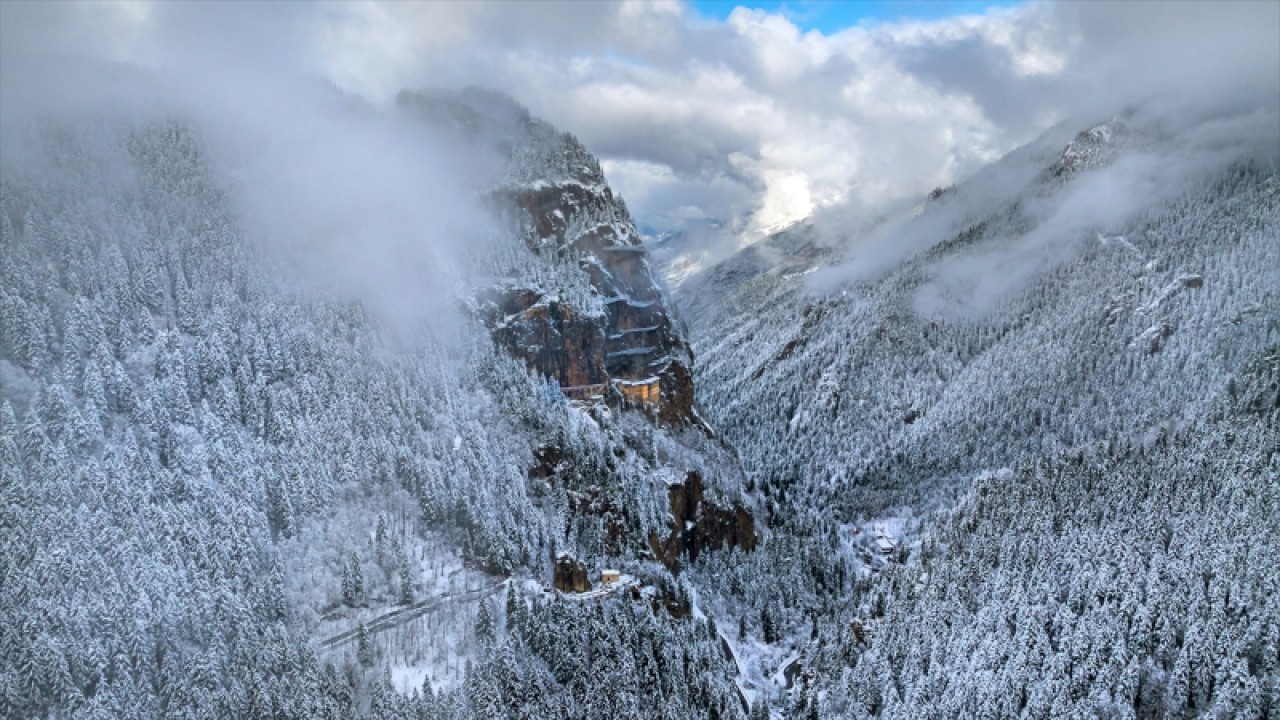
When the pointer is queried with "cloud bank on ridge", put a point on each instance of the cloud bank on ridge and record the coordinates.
(751, 121)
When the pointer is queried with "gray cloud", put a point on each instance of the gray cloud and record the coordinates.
(973, 67)
(353, 200)
(1164, 157)
(751, 121)
(1202, 86)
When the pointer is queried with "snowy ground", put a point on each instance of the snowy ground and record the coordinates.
(432, 636)
(870, 545)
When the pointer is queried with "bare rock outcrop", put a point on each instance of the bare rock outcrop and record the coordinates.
(698, 524)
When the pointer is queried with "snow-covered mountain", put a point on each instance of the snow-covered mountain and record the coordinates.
(348, 418)
(617, 336)
(1049, 395)
(234, 489)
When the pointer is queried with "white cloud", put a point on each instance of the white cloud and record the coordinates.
(354, 201)
(751, 120)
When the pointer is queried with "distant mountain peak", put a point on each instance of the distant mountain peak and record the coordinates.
(1091, 148)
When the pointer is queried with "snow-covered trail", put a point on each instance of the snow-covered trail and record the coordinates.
(403, 615)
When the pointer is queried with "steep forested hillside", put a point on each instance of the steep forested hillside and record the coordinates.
(230, 492)
(883, 390)
(1043, 410)
(1138, 584)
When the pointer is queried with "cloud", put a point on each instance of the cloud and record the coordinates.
(1168, 156)
(360, 202)
(751, 120)
(340, 196)
(1193, 103)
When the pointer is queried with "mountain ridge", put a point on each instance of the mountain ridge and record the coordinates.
(968, 392)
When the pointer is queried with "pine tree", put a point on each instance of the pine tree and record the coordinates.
(406, 580)
(484, 629)
(364, 648)
(380, 538)
(768, 632)
(352, 582)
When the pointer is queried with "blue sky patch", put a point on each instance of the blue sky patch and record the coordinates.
(829, 16)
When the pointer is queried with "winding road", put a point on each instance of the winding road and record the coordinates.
(405, 613)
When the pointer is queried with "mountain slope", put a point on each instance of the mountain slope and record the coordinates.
(947, 364)
(619, 337)
(1042, 411)
(231, 491)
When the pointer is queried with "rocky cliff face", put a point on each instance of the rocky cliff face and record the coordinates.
(583, 308)
(634, 352)
(698, 525)
(623, 345)
(569, 575)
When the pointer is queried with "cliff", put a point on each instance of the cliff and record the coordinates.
(620, 344)
(576, 300)
(697, 525)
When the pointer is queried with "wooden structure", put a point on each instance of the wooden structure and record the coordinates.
(640, 393)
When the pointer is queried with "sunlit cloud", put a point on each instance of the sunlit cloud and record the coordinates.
(751, 118)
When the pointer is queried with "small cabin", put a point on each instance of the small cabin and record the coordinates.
(609, 577)
(885, 544)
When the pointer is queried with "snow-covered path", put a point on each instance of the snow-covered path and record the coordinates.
(404, 614)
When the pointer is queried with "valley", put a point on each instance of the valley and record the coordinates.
(319, 406)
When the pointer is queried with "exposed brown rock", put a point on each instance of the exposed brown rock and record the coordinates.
(570, 575)
(698, 524)
(546, 461)
(552, 339)
(676, 406)
(635, 354)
